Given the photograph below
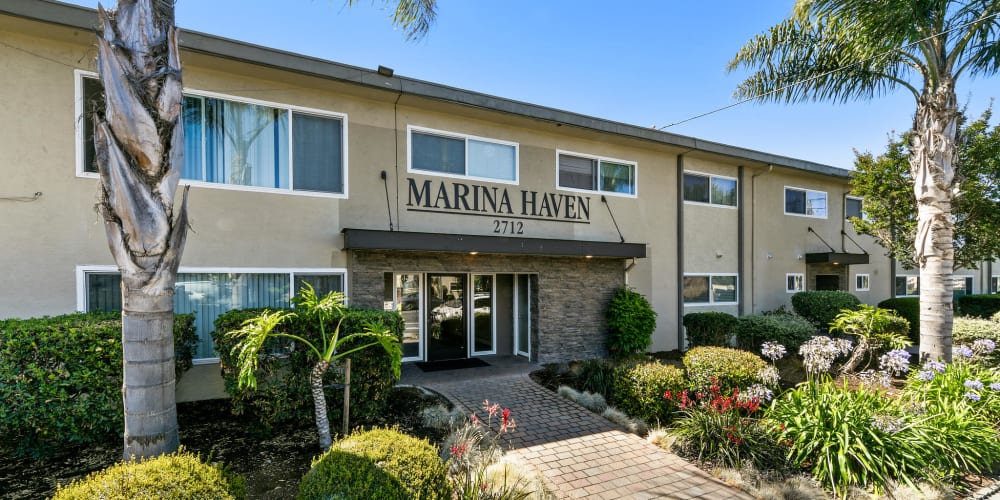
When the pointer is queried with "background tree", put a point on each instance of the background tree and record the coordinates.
(139, 140)
(843, 50)
(890, 205)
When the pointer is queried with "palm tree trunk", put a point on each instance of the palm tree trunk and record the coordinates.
(932, 158)
(139, 142)
(319, 403)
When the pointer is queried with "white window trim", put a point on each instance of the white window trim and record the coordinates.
(788, 275)
(711, 296)
(784, 204)
(710, 177)
(963, 278)
(410, 129)
(868, 280)
(994, 277)
(905, 276)
(79, 75)
(635, 174)
(83, 270)
(850, 197)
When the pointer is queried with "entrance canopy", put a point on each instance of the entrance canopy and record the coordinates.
(836, 258)
(368, 239)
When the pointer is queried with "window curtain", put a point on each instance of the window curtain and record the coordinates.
(492, 161)
(317, 153)
(576, 172)
(246, 144)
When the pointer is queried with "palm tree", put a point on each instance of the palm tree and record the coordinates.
(844, 50)
(139, 139)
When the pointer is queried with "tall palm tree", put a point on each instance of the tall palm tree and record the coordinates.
(139, 139)
(844, 50)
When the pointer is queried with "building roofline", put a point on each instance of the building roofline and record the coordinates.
(77, 17)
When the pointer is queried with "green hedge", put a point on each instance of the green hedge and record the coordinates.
(639, 389)
(61, 378)
(819, 307)
(967, 330)
(909, 308)
(631, 321)
(177, 476)
(730, 368)
(380, 463)
(787, 329)
(709, 328)
(283, 393)
(979, 306)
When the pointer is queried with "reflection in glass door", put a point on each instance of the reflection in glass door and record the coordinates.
(483, 336)
(403, 295)
(446, 321)
(522, 315)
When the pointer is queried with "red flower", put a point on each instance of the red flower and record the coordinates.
(667, 395)
(459, 450)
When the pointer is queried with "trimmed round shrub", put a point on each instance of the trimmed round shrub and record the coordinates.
(639, 389)
(283, 394)
(180, 475)
(819, 307)
(61, 378)
(789, 330)
(967, 330)
(728, 368)
(709, 328)
(909, 308)
(631, 321)
(979, 306)
(380, 463)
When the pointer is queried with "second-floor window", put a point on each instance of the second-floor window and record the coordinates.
(805, 202)
(457, 155)
(709, 189)
(593, 173)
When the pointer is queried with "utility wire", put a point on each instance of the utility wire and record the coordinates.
(821, 75)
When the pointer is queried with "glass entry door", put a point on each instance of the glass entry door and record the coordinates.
(522, 315)
(447, 332)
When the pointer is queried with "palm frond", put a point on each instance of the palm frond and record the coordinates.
(415, 17)
(380, 334)
(252, 335)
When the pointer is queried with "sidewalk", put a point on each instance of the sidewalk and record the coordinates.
(580, 454)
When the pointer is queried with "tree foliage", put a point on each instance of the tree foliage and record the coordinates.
(890, 206)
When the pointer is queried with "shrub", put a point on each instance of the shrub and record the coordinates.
(909, 308)
(595, 375)
(728, 368)
(61, 378)
(979, 306)
(709, 328)
(819, 307)
(181, 475)
(947, 384)
(789, 330)
(283, 392)
(967, 330)
(874, 330)
(639, 389)
(631, 321)
(380, 463)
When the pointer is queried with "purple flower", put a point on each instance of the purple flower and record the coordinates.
(926, 375)
(984, 346)
(962, 351)
(972, 396)
(995, 386)
(934, 366)
(896, 361)
(974, 385)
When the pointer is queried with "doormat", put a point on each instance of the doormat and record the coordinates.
(451, 364)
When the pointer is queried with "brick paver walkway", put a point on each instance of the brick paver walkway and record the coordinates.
(580, 454)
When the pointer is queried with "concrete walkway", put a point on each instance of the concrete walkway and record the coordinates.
(580, 454)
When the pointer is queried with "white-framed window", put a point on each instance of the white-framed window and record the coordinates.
(451, 154)
(244, 144)
(209, 292)
(862, 282)
(995, 283)
(710, 189)
(805, 202)
(584, 172)
(795, 282)
(710, 289)
(907, 286)
(853, 207)
(963, 285)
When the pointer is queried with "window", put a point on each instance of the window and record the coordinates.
(447, 153)
(852, 207)
(211, 292)
(250, 144)
(861, 283)
(995, 284)
(795, 282)
(907, 286)
(592, 173)
(710, 289)
(805, 202)
(710, 189)
(962, 286)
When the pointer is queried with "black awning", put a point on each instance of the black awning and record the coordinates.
(368, 239)
(836, 258)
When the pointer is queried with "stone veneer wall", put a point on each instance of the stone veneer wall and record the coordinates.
(569, 295)
(841, 270)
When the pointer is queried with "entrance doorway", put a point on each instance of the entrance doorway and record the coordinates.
(827, 282)
(446, 331)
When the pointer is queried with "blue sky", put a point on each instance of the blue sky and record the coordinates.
(647, 63)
